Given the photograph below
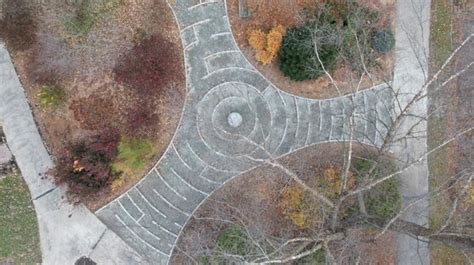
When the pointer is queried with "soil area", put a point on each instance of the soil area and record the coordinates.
(101, 56)
(270, 13)
(254, 200)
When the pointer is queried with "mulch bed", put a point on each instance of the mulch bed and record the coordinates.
(267, 14)
(96, 72)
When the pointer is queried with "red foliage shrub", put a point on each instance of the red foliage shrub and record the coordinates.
(149, 66)
(86, 165)
(17, 27)
(94, 112)
(141, 119)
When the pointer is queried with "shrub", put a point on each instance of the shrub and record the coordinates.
(264, 56)
(384, 200)
(266, 45)
(292, 202)
(18, 26)
(331, 181)
(85, 165)
(51, 96)
(234, 241)
(274, 39)
(257, 39)
(341, 31)
(149, 67)
(297, 57)
(383, 41)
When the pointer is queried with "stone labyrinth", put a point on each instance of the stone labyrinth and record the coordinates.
(232, 120)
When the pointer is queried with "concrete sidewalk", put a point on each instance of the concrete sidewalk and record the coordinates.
(66, 232)
(410, 75)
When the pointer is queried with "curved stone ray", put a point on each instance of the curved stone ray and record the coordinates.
(232, 112)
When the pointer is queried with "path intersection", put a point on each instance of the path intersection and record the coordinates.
(231, 114)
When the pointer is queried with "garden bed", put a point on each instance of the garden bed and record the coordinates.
(265, 15)
(270, 204)
(100, 68)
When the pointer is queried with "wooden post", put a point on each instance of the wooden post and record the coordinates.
(243, 10)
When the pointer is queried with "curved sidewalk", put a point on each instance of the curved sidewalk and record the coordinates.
(231, 113)
(66, 232)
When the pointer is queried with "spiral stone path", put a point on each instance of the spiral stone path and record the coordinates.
(232, 121)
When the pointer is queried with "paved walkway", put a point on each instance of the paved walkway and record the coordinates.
(66, 232)
(411, 71)
(228, 102)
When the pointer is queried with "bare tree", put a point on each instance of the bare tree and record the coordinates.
(331, 235)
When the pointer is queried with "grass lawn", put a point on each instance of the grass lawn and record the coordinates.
(442, 31)
(19, 238)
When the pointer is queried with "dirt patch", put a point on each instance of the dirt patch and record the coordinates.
(255, 200)
(268, 14)
(90, 63)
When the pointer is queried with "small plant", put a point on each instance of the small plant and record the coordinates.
(384, 200)
(86, 165)
(82, 20)
(317, 258)
(51, 96)
(234, 241)
(383, 41)
(266, 45)
(292, 202)
(87, 13)
(139, 36)
(134, 152)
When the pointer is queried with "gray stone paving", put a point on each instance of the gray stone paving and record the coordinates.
(208, 150)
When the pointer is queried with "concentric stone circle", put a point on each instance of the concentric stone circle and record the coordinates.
(234, 118)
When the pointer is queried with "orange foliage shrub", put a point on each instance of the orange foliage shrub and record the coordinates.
(266, 45)
(257, 39)
(332, 181)
(264, 56)
(292, 205)
(274, 39)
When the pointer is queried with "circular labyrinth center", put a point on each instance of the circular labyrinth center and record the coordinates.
(234, 119)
